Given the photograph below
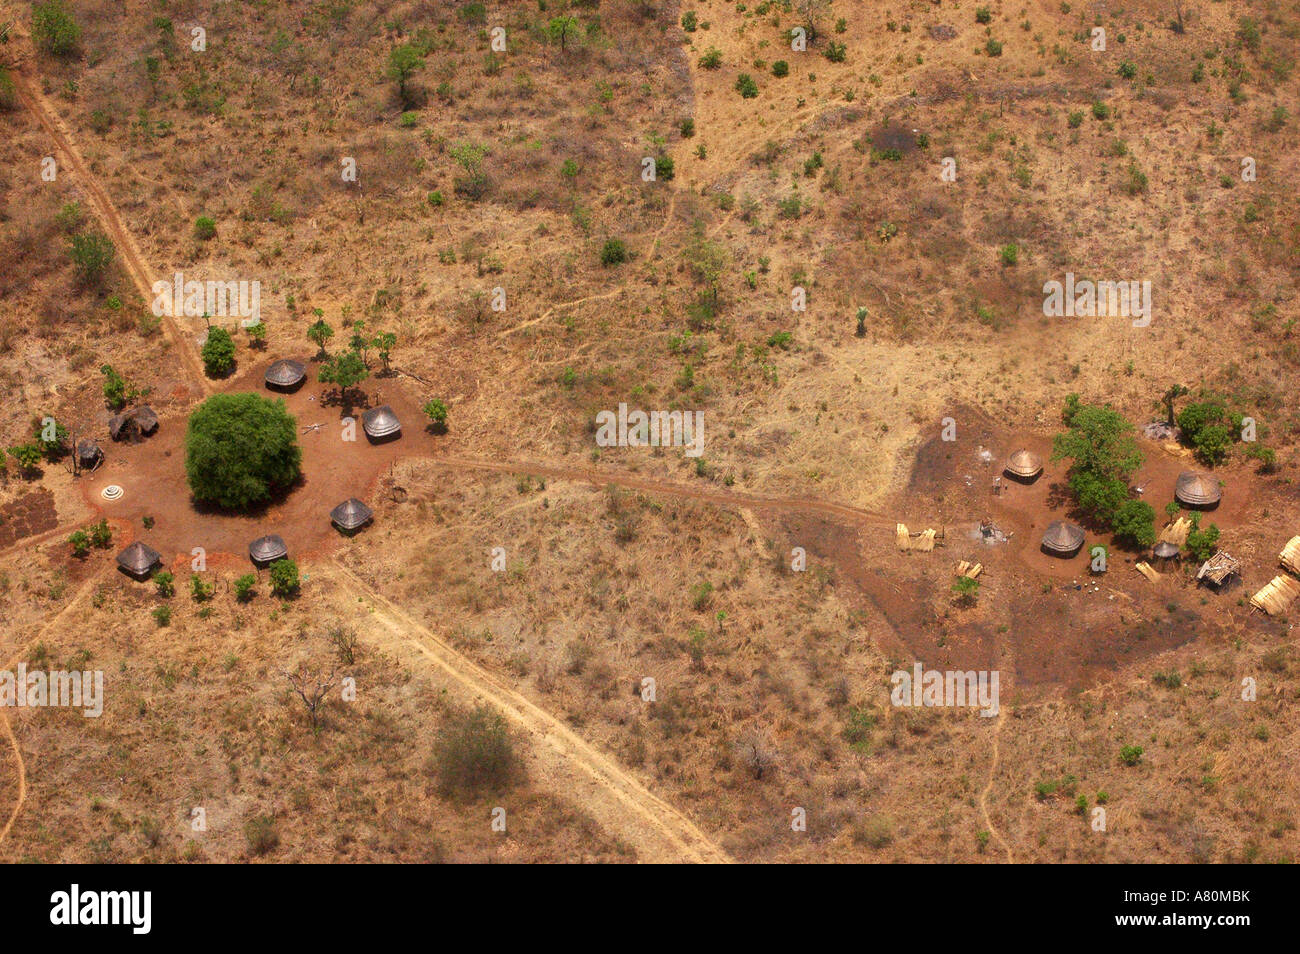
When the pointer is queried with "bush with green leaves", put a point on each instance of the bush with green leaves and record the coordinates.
(1135, 522)
(165, 583)
(200, 589)
(80, 541)
(780, 69)
(244, 587)
(26, 456)
(1210, 429)
(967, 590)
(983, 15)
(101, 535)
(51, 436)
(474, 754)
(92, 253)
(664, 170)
(1201, 544)
(1130, 754)
(205, 227)
(240, 450)
(284, 578)
(712, 59)
(746, 86)
(689, 21)
(118, 393)
(835, 52)
(53, 29)
(162, 614)
(319, 333)
(614, 252)
(345, 371)
(436, 410)
(1104, 454)
(1009, 253)
(403, 62)
(218, 353)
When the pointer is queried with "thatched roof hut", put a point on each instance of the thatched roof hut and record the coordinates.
(1219, 568)
(145, 419)
(1165, 551)
(1197, 490)
(88, 453)
(1290, 555)
(285, 374)
(132, 425)
(1024, 465)
(351, 514)
(1062, 539)
(380, 422)
(268, 549)
(138, 560)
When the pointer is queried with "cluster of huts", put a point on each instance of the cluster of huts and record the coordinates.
(139, 560)
(1195, 491)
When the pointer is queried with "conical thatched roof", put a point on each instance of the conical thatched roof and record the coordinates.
(1062, 538)
(138, 559)
(1164, 550)
(88, 452)
(1024, 463)
(380, 421)
(267, 549)
(285, 373)
(351, 514)
(146, 419)
(1197, 490)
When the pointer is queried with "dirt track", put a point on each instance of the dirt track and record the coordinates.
(570, 764)
(140, 274)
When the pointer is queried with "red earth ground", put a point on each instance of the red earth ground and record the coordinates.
(152, 476)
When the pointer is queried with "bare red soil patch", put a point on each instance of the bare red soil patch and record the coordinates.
(152, 474)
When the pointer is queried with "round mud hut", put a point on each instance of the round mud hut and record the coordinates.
(1165, 554)
(351, 515)
(1062, 539)
(1024, 466)
(1199, 491)
(138, 560)
(380, 423)
(267, 549)
(285, 374)
(88, 454)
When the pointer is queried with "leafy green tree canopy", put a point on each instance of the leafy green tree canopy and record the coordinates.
(240, 449)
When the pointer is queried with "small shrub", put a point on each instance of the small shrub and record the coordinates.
(205, 227)
(613, 253)
(261, 834)
(53, 29)
(746, 86)
(165, 583)
(244, 587)
(1009, 253)
(1130, 754)
(473, 753)
(284, 578)
(218, 353)
(780, 68)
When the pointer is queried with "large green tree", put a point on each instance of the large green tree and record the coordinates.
(240, 450)
(1103, 453)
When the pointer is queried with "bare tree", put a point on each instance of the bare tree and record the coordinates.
(345, 644)
(311, 687)
(755, 751)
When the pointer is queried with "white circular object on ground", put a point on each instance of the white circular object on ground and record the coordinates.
(111, 492)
